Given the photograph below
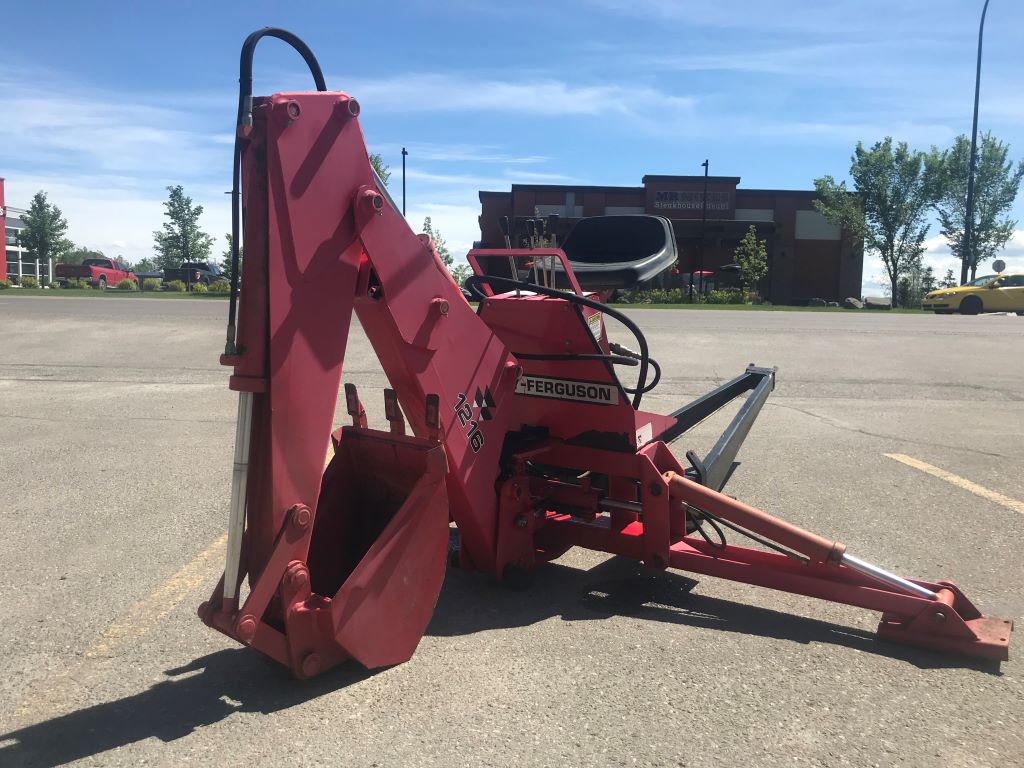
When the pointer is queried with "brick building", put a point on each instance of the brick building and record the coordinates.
(807, 256)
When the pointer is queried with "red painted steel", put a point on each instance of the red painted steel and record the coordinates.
(754, 520)
(529, 455)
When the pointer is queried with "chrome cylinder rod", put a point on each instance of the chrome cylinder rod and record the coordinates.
(239, 481)
(626, 506)
(884, 576)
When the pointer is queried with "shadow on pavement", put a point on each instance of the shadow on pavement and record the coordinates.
(216, 686)
(623, 587)
(228, 681)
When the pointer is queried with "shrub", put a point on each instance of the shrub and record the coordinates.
(127, 285)
(178, 286)
(678, 296)
(199, 288)
(151, 284)
(220, 286)
(29, 282)
(4, 284)
(726, 296)
(656, 296)
(631, 297)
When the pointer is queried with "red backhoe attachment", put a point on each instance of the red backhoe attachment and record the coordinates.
(361, 578)
(525, 441)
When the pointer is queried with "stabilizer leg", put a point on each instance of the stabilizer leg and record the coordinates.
(930, 615)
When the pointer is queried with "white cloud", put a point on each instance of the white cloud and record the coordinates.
(937, 256)
(815, 61)
(431, 92)
(459, 153)
(536, 177)
(115, 215)
(457, 224)
(843, 131)
(807, 16)
(105, 159)
(107, 135)
(473, 184)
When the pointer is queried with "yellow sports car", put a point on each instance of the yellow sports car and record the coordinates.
(992, 293)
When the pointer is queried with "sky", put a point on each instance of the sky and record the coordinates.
(106, 104)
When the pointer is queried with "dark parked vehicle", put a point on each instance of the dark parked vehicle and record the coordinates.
(192, 272)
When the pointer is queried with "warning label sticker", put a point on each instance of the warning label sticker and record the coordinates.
(594, 323)
(567, 389)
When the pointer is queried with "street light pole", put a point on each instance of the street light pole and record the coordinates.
(967, 256)
(703, 224)
(404, 154)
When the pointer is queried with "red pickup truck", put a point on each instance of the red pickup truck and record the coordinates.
(98, 272)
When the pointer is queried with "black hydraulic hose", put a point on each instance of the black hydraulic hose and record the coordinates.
(474, 282)
(613, 359)
(700, 514)
(621, 350)
(244, 120)
(654, 381)
(699, 520)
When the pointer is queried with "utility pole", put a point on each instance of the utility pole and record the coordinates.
(703, 224)
(404, 154)
(967, 257)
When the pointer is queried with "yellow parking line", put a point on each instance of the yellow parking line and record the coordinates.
(146, 614)
(53, 694)
(960, 482)
(143, 616)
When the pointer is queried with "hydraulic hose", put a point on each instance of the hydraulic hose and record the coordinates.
(473, 284)
(621, 350)
(245, 120)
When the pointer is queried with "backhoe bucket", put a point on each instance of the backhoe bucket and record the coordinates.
(380, 541)
(358, 578)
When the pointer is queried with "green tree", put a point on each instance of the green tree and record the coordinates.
(894, 190)
(439, 244)
(225, 258)
(80, 253)
(380, 167)
(916, 281)
(460, 272)
(928, 281)
(949, 280)
(45, 232)
(996, 183)
(145, 264)
(181, 238)
(752, 257)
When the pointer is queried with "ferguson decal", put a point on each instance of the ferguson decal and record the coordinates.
(567, 389)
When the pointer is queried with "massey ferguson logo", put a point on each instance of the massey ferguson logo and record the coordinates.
(567, 389)
(484, 404)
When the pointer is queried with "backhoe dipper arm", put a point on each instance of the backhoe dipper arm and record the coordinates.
(320, 241)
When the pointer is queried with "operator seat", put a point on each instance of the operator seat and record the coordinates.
(609, 252)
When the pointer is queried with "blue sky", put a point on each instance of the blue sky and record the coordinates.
(105, 104)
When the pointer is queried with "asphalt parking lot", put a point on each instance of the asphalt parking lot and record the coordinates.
(116, 432)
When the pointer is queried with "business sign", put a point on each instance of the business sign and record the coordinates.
(691, 201)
